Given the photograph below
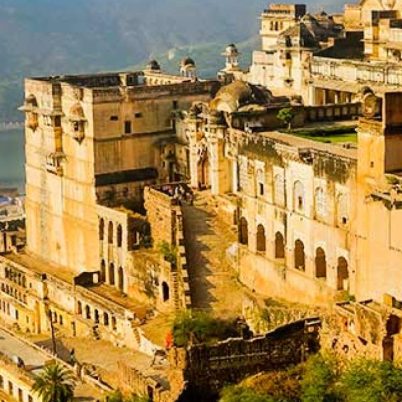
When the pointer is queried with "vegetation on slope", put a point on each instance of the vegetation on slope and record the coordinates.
(323, 379)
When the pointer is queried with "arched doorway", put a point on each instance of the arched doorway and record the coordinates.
(342, 274)
(111, 274)
(110, 233)
(320, 263)
(120, 279)
(103, 271)
(300, 258)
(87, 312)
(243, 231)
(101, 229)
(261, 240)
(203, 172)
(119, 236)
(279, 245)
(165, 292)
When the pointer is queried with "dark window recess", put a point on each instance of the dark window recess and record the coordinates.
(138, 115)
(126, 176)
(127, 127)
(114, 118)
(57, 121)
(175, 104)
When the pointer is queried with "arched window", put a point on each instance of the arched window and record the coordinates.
(105, 319)
(320, 203)
(120, 279)
(300, 258)
(279, 190)
(111, 274)
(114, 323)
(96, 316)
(110, 233)
(261, 240)
(87, 312)
(79, 308)
(276, 26)
(279, 245)
(320, 263)
(119, 236)
(243, 231)
(260, 182)
(342, 210)
(103, 271)
(298, 196)
(101, 229)
(342, 274)
(165, 292)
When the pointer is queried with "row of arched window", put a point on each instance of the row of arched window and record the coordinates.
(320, 199)
(299, 253)
(97, 316)
(16, 277)
(16, 294)
(261, 240)
(112, 277)
(276, 25)
(110, 232)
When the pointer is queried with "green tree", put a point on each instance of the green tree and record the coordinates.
(319, 379)
(243, 394)
(198, 327)
(54, 383)
(117, 396)
(286, 115)
(371, 381)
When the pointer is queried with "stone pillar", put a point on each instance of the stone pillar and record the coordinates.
(311, 95)
(192, 127)
(235, 179)
(336, 97)
(324, 96)
(220, 172)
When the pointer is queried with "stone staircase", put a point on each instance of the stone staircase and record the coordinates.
(176, 294)
(213, 281)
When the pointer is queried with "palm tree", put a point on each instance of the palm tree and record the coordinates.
(55, 383)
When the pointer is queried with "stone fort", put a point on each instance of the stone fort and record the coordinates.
(312, 211)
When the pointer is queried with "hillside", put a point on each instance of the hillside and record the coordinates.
(69, 36)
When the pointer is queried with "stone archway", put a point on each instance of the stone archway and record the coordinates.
(111, 274)
(120, 279)
(342, 274)
(300, 257)
(261, 239)
(279, 245)
(320, 263)
(243, 231)
(103, 271)
(203, 173)
(165, 292)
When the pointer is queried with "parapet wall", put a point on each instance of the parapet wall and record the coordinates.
(213, 366)
(165, 217)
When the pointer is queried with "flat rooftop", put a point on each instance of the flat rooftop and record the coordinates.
(35, 359)
(299, 142)
(113, 79)
(39, 266)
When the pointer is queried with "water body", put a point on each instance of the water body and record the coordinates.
(12, 159)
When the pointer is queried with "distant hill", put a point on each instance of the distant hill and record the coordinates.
(41, 37)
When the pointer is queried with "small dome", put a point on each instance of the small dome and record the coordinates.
(153, 65)
(231, 49)
(187, 61)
